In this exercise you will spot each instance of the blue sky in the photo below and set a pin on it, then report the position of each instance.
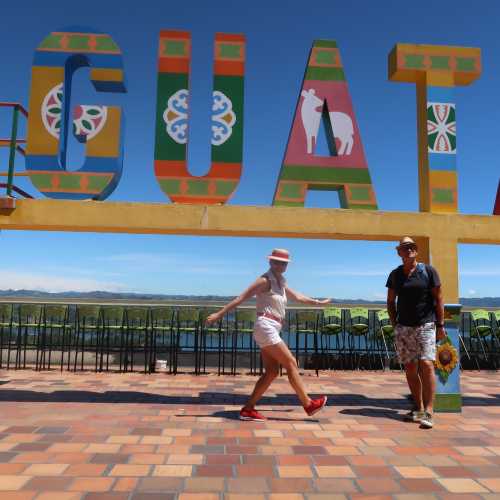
(279, 36)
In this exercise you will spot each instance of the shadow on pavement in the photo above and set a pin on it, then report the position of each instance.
(215, 398)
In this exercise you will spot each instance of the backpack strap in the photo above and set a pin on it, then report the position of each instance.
(423, 269)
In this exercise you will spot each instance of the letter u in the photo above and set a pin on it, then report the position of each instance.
(172, 119)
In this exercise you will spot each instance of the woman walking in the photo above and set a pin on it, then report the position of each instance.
(271, 292)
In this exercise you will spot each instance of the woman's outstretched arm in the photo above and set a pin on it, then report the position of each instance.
(259, 285)
(304, 299)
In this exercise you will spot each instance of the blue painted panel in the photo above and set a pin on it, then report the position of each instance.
(441, 94)
(442, 161)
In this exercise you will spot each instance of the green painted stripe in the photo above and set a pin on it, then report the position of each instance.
(197, 187)
(278, 203)
(431, 140)
(165, 147)
(230, 51)
(225, 188)
(106, 43)
(325, 43)
(448, 403)
(290, 190)
(360, 193)
(453, 141)
(414, 61)
(175, 48)
(442, 195)
(430, 114)
(232, 150)
(98, 182)
(325, 57)
(51, 42)
(170, 186)
(318, 73)
(69, 182)
(466, 64)
(79, 42)
(323, 174)
(440, 62)
(41, 181)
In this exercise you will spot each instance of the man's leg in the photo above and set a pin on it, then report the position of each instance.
(415, 384)
(281, 354)
(427, 342)
(428, 384)
(408, 351)
(271, 371)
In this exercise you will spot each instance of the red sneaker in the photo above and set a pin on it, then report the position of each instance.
(253, 415)
(316, 405)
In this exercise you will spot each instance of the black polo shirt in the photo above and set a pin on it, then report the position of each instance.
(415, 303)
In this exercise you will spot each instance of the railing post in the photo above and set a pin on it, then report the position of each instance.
(12, 153)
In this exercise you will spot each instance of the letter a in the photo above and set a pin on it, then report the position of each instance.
(325, 94)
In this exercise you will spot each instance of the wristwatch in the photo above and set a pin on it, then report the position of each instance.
(440, 325)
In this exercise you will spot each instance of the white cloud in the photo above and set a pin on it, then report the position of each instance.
(472, 292)
(14, 280)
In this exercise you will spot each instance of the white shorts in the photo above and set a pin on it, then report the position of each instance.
(266, 331)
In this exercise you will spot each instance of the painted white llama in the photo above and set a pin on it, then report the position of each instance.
(311, 116)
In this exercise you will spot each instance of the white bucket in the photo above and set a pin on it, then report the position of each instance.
(161, 365)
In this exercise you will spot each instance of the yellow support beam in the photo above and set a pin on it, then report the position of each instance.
(438, 234)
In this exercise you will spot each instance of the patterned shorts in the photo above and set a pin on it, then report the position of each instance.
(416, 342)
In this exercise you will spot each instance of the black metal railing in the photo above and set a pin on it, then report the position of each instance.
(175, 338)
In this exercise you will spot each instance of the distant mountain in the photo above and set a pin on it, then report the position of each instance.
(481, 302)
(100, 295)
(97, 294)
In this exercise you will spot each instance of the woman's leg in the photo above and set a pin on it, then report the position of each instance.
(282, 355)
(272, 369)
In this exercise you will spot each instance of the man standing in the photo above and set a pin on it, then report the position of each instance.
(416, 310)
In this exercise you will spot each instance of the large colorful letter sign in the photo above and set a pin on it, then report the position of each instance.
(325, 94)
(436, 70)
(99, 127)
(172, 116)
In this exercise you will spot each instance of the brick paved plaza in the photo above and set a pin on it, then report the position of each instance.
(150, 437)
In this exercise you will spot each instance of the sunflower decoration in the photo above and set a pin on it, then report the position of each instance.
(446, 359)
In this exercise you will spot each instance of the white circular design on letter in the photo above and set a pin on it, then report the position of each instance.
(175, 117)
(88, 120)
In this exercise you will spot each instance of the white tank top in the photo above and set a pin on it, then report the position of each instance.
(274, 301)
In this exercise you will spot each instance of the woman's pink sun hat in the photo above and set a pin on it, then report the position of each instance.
(280, 254)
